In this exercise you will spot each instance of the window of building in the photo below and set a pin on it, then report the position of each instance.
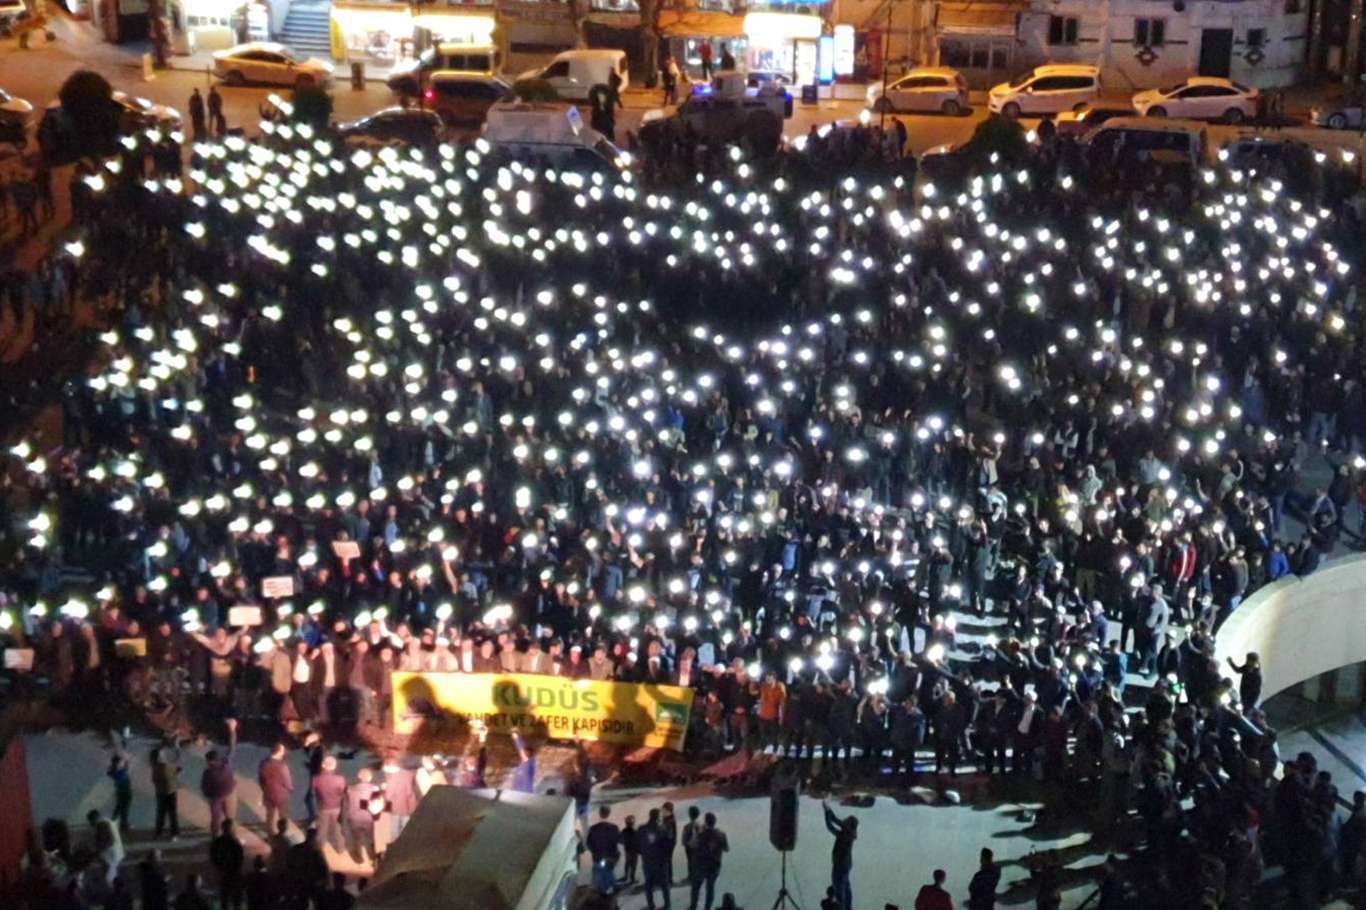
(1256, 37)
(1150, 32)
(1062, 30)
(1292, 7)
(955, 54)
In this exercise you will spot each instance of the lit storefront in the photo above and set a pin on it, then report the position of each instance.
(212, 25)
(462, 23)
(379, 33)
(386, 33)
(783, 43)
(686, 31)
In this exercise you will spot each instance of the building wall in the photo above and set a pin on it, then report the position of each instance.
(1105, 36)
(1301, 627)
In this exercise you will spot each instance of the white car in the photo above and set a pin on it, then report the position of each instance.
(1346, 115)
(931, 89)
(138, 113)
(1048, 89)
(1200, 98)
(269, 63)
(12, 108)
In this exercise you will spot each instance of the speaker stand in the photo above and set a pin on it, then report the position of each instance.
(785, 898)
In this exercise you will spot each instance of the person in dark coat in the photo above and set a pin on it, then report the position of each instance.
(260, 887)
(216, 118)
(845, 831)
(1250, 680)
(226, 855)
(982, 888)
(604, 845)
(152, 882)
(656, 851)
(276, 786)
(191, 898)
(305, 871)
(218, 784)
(197, 116)
(711, 848)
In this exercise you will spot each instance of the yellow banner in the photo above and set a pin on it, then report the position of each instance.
(628, 713)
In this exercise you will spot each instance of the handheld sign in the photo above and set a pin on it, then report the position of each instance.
(244, 616)
(277, 586)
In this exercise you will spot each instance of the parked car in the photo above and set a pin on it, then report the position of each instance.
(552, 134)
(925, 90)
(1165, 142)
(410, 77)
(758, 78)
(15, 115)
(464, 97)
(1344, 115)
(1048, 89)
(269, 63)
(137, 113)
(573, 73)
(725, 111)
(1200, 98)
(1083, 122)
(1246, 152)
(395, 126)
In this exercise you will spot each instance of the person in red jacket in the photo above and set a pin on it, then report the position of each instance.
(277, 784)
(329, 788)
(933, 896)
(218, 785)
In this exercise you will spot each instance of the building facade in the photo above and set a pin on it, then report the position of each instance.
(1146, 43)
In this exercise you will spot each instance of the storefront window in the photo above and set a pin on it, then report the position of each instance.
(790, 6)
(955, 54)
(692, 50)
(380, 35)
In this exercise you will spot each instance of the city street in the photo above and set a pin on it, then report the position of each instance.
(37, 73)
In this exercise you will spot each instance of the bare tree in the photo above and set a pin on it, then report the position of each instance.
(650, 11)
(1315, 54)
(1351, 69)
(578, 15)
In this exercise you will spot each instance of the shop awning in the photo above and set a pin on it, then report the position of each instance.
(700, 23)
(977, 19)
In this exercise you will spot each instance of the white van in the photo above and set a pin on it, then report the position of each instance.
(553, 133)
(1180, 142)
(409, 77)
(573, 73)
(1048, 89)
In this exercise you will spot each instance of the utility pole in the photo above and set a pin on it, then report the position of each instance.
(1315, 61)
(1351, 67)
(886, 65)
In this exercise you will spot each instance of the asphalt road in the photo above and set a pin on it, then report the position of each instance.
(37, 74)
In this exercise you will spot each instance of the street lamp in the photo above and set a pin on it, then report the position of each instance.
(886, 62)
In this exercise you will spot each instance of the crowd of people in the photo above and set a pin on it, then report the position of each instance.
(877, 467)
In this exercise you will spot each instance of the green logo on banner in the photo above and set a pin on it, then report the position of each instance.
(670, 714)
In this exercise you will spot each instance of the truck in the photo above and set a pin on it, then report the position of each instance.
(726, 110)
